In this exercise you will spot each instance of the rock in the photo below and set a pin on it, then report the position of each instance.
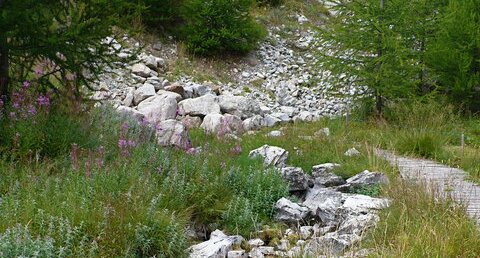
(147, 90)
(237, 254)
(255, 242)
(191, 122)
(282, 116)
(322, 132)
(323, 175)
(306, 232)
(262, 251)
(254, 123)
(304, 116)
(295, 177)
(320, 231)
(222, 125)
(177, 88)
(290, 111)
(284, 245)
(130, 112)
(128, 100)
(197, 90)
(177, 96)
(217, 246)
(271, 121)
(274, 134)
(141, 70)
(271, 155)
(172, 133)
(331, 244)
(364, 179)
(290, 212)
(240, 106)
(200, 106)
(153, 62)
(358, 203)
(352, 152)
(158, 108)
(358, 224)
(324, 203)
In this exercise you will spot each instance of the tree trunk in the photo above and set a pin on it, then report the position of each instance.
(4, 68)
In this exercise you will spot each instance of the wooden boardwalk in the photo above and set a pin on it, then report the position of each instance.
(443, 180)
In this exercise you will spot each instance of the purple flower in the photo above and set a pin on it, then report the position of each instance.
(39, 70)
(124, 126)
(237, 149)
(32, 110)
(132, 143)
(122, 143)
(43, 101)
(26, 84)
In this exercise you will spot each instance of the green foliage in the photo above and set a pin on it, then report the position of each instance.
(161, 14)
(220, 26)
(455, 53)
(269, 2)
(17, 242)
(239, 217)
(373, 190)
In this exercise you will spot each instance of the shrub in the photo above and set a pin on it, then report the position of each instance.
(161, 14)
(17, 242)
(220, 26)
(239, 218)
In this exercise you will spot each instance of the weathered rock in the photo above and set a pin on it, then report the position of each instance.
(271, 121)
(322, 132)
(130, 112)
(284, 245)
(200, 106)
(191, 122)
(352, 152)
(177, 88)
(240, 106)
(282, 116)
(237, 254)
(141, 70)
(358, 224)
(358, 203)
(275, 133)
(323, 175)
(172, 133)
(158, 108)
(222, 125)
(261, 252)
(147, 90)
(254, 123)
(331, 243)
(128, 100)
(153, 62)
(218, 246)
(174, 95)
(295, 177)
(255, 242)
(324, 203)
(306, 232)
(364, 179)
(304, 116)
(271, 155)
(290, 212)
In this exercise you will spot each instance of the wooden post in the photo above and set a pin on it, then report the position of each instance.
(462, 141)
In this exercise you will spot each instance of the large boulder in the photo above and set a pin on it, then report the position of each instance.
(324, 203)
(172, 133)
(200, 106)
(130, 113)
(271, 155)
(240, 106)
(222, 125)
(331, 244)
(295, 177)
(217, 246)
(158, 108)
(143, 92)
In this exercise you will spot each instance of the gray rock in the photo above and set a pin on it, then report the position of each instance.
(191, 122)
(218, 246)
(128, 100)
(172, 133)
(352, 152)
(282, 116)
(295, 177)
(324, 203)
(331, 244)
(290, 212)
(358, 224)
(322, 132)
(304, 116)
(271, 121)
(240, 106)
(358, 203)
(364, 179)
(284, 245)
(323, 175)
(130, 112)
(306, 232)
(141, 70)
(174, 95)
(271, 155)
(275, 134)
(222, 125)
(147, 90)
(177, 88)
(261, 252)
(200, 106)
(255, 242)
(158, 108)
(254, 123)
(237, 254)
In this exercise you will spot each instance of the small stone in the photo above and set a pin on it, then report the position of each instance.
(255, 242)
(141, 70)
(237, 254)
(352, 152)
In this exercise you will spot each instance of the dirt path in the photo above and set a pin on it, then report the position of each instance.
(444, 180)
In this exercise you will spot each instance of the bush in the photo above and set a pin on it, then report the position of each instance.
(17, 242)
(220, 26)
(161, 14)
